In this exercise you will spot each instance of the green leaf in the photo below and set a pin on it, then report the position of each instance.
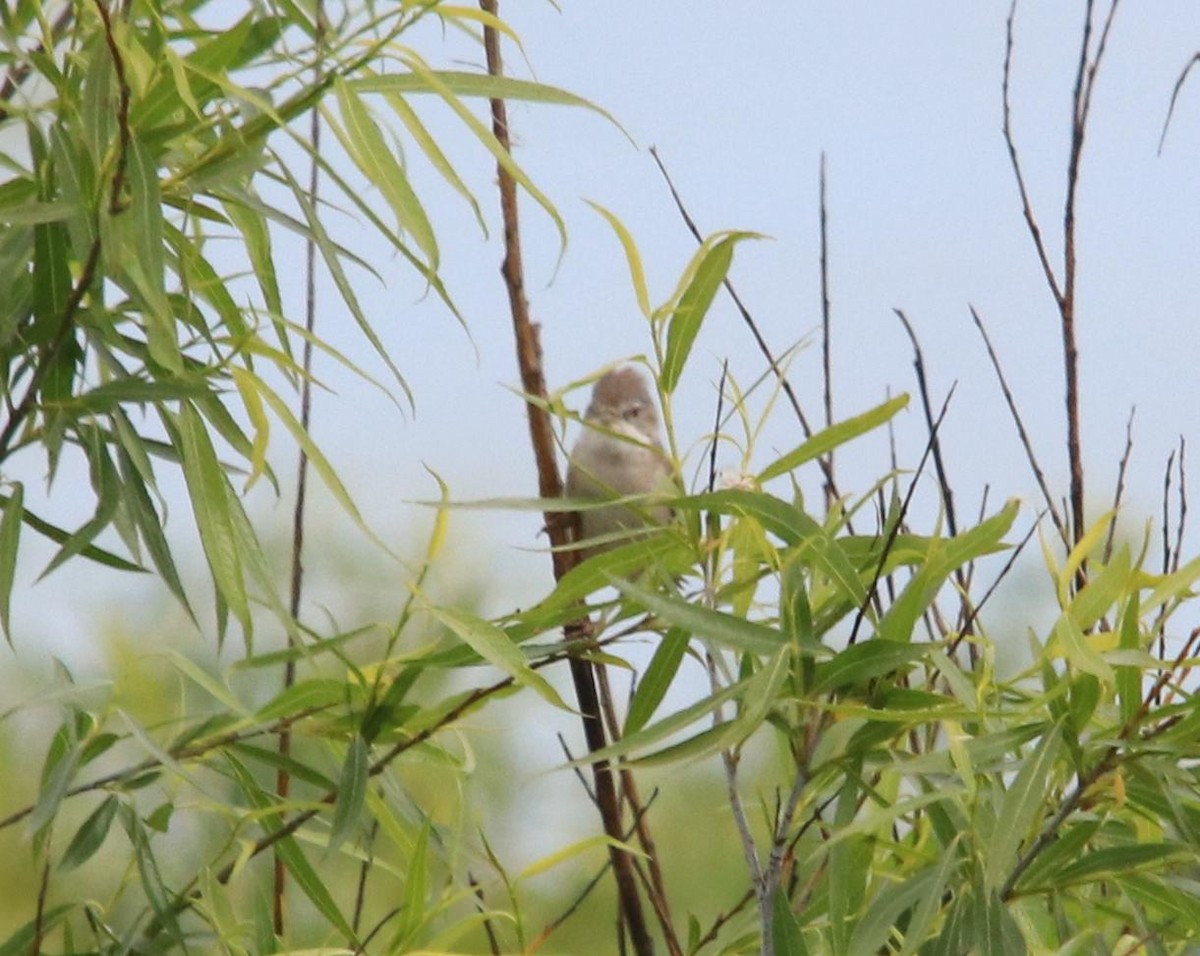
(433, 152)
(366, 146)
(1021, 807)
(443, 82)
(789, 940)
(206, 485)
(945, 556)
(1079, 651)
(352, 791)
(711, 265)
(289, 851)
(449, 86)
(657, 679)
(861, 662)
(637, 272)
(830, 438)
(735, 633)
(1129, 679)
(10, 536)
(497, 648)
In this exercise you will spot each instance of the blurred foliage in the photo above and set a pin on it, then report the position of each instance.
(887, 787)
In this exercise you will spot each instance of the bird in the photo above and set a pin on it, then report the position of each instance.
(619, 455)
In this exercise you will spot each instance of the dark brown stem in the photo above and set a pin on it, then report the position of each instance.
(826, 339)
(561, 527)
(283, 779)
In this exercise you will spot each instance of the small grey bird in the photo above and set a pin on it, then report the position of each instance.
(619, 455)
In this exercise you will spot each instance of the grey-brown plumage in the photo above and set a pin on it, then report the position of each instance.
(619, 455)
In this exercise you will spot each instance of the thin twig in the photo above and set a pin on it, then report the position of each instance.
(1183, 507)
(1038, 474)
(826, 337)
(895, 530)
(1119, 493)
(481, 905)
(1162, 139)
(773, 363)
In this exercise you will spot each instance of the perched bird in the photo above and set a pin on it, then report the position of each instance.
(619, 455)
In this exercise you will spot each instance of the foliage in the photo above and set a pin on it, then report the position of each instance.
(923, 794)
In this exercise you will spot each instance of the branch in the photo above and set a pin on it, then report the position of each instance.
(562, 527)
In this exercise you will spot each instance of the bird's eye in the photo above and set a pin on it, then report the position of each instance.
(633, 411)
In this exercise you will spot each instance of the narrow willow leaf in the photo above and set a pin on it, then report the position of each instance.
(352, 790)
(789, 939)
(637, 272)
(257, 239)
(1079, 651)
(10, 537)
(916, 932)
(206, 484)
(497, 648)
(711, 266)
(657, 680)
(861, 662)
(444, 85)
(1102, 590)
(473, 85)
(145, 517)
(670, 725)
(90, 835)
(735, 633)
(945, 556)
(416, 886)
(24, 940)
(289, 850)
(364, 142)
(830, 438)
(247, 386)
(1095, 536)
(433, 152)
(61, 763)
(1113, 860)
(248, 382)
(60, 536)
(1020, 808)
(883, 912)
(1129, 679)
(151, 881)
(144, 219)
(332, 259)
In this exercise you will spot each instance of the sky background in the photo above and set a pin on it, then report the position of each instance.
(742, 101)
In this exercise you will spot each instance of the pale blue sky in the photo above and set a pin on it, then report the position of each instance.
(741, 100)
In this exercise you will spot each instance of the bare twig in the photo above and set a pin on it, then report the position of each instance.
(1119, 493)
(775, 365)
(1038, 474)
(826, 339)
(1181, 524)
(481, 905)
(895, 529)
(1175, 96)
(1063, 287)
(562, 527)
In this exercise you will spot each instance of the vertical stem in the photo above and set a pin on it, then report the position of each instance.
(561, 529)
(283, 779)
